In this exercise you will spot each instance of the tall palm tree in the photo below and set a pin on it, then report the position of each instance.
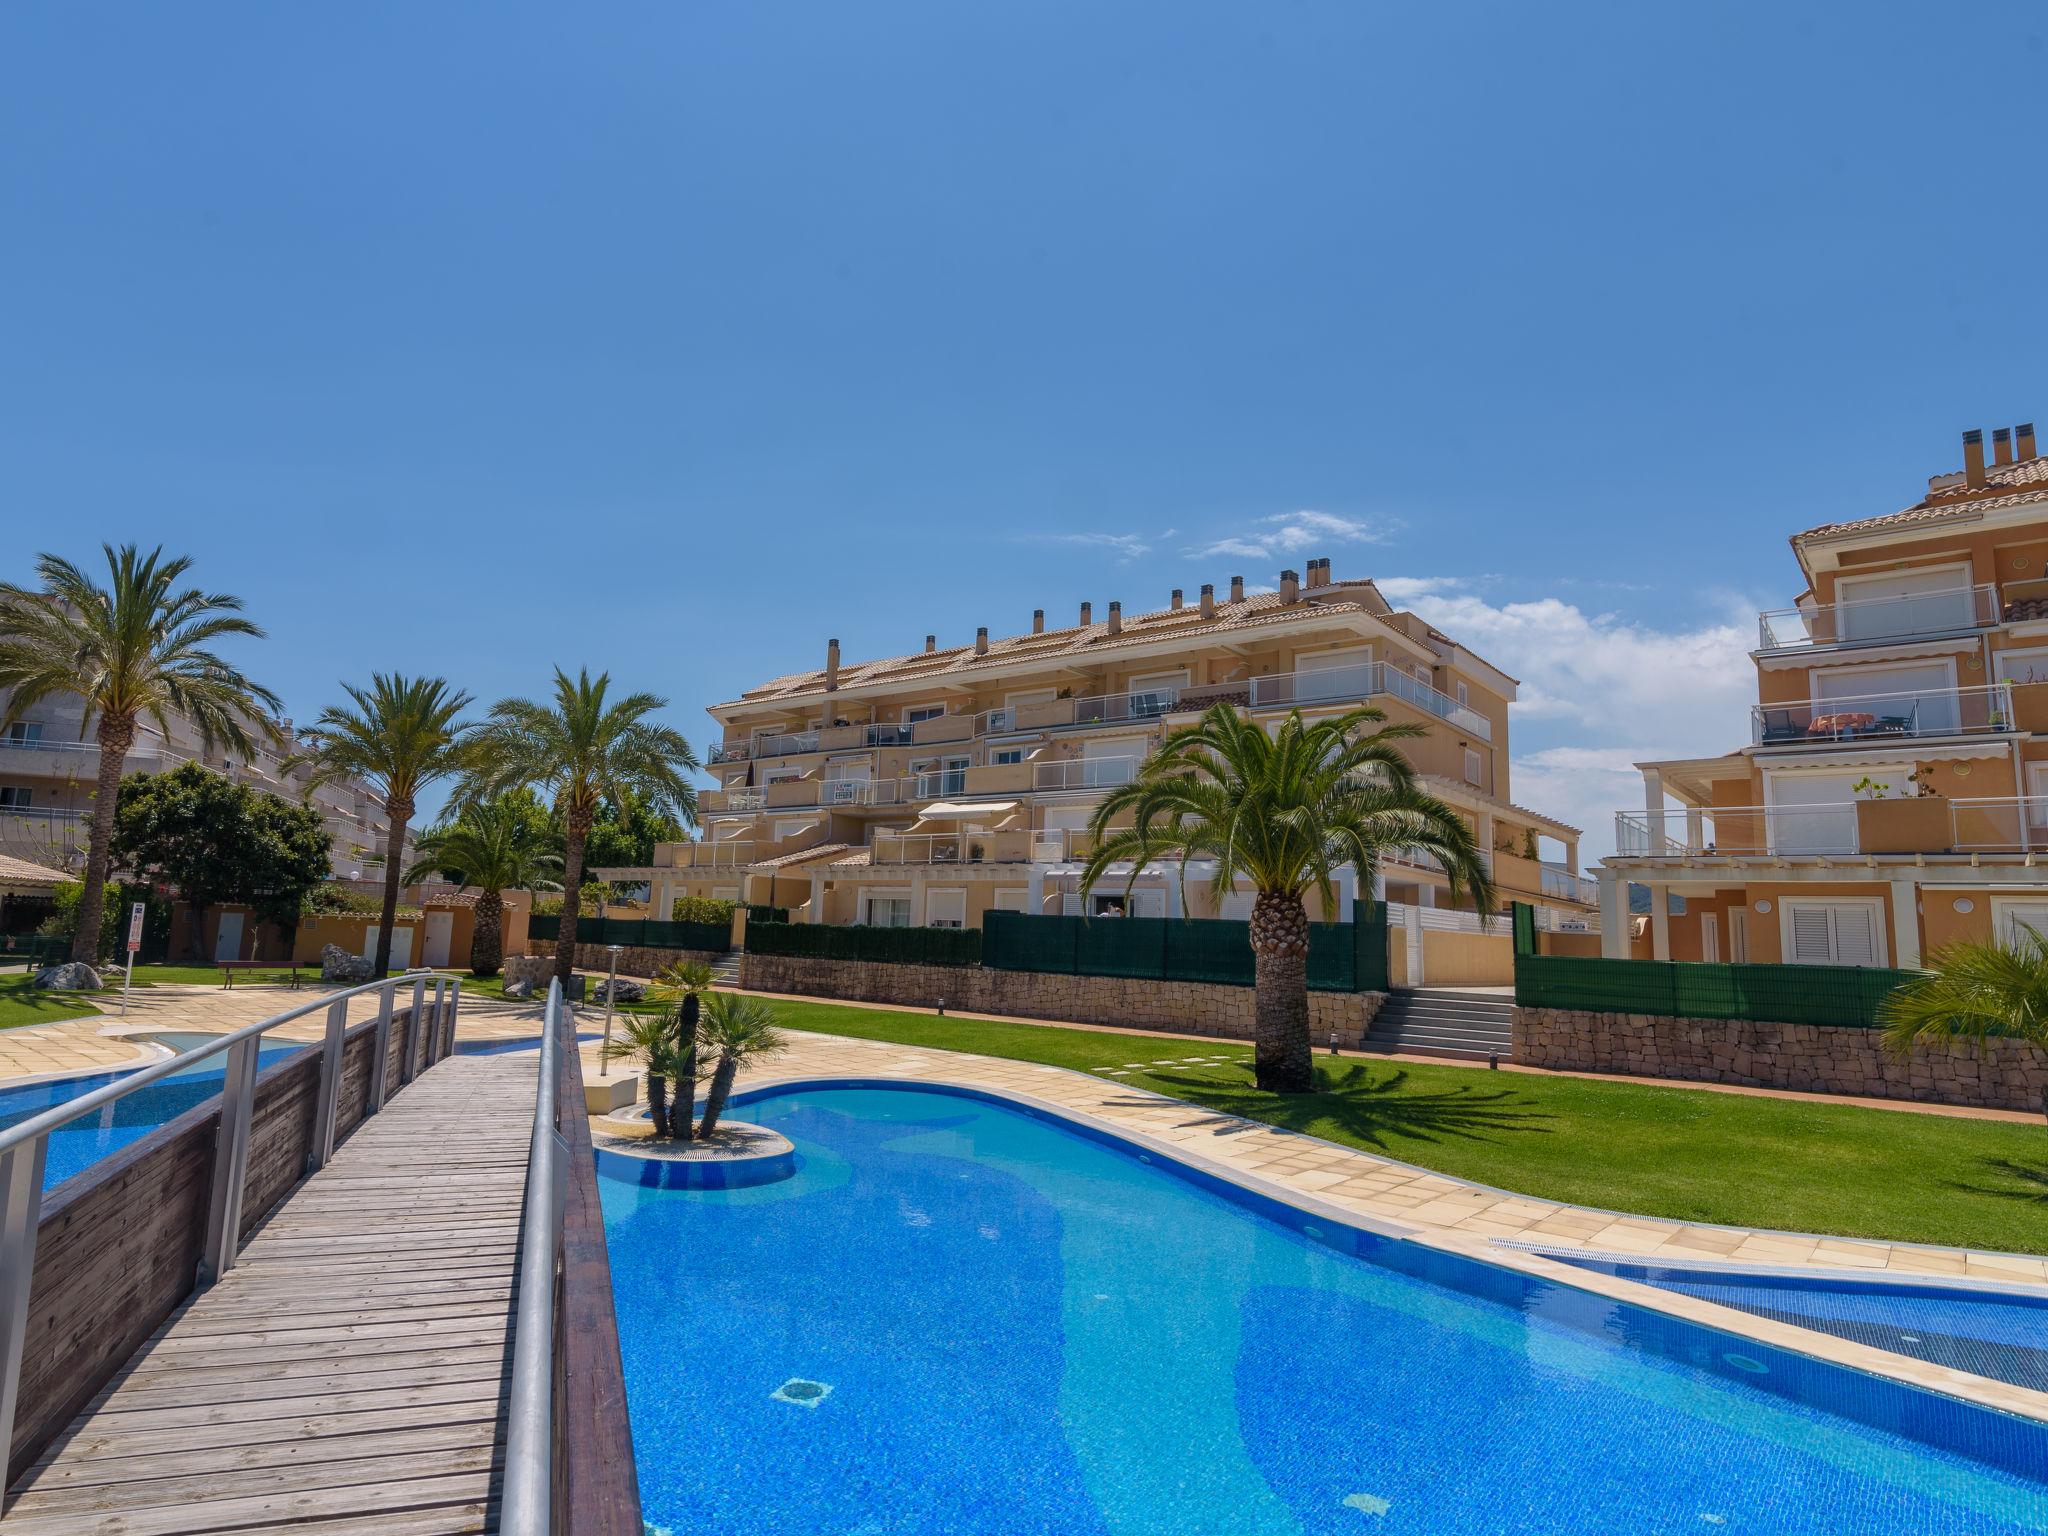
(1973, 991)
(134, 649)
(742, 1030)
(402, 734)
(1285, 812)
(490, 846)
(582, 748)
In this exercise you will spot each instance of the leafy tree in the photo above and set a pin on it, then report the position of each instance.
(135, 649)
(402, 734)
(529, 822)
(219, 841)
(581, 749)
(494, 846)
(625, 831)
(1285, 812)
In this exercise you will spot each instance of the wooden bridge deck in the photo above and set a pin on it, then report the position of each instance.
(348, 1375)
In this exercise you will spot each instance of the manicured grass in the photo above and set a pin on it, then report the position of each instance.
(23, 1003)
(1682, 1153)
(205, 975)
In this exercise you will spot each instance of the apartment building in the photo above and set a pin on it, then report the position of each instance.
(49, 765)
(932, 787)
(1893, 794)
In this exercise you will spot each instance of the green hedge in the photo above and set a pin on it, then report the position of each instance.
(1847, 995)
(900, 946)
(715, 938)
(1342, 957)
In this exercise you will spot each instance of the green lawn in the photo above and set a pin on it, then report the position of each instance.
(23, 1003)
(1675, 1152)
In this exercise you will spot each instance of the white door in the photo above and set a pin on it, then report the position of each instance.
(401, 945)
(1912, 603)
(227, 944)
(1011, 901)
(1738, 935)
(440, 938)
(1920, 699)
(1833, 932)
(1812, 812)
(2015, 917)
(1710, 939)
(1144, 903)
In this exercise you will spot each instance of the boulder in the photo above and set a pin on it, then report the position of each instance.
(534, 970)
(518, 991)
(624, 992)
(337, 964)
(71, 976)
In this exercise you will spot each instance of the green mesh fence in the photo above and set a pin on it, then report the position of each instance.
(1785, 994)
(1342, 957)
(647, 934)
(898, 946)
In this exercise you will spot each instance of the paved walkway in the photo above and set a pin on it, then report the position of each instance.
(348, 1374)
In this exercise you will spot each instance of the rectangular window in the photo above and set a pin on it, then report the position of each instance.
(945, 908)
(888, 911)
(15, 797)
(1001, 756)
(1475, 767)
(1464, 696)
(1833, 933)
(924, 712)
(23, 731)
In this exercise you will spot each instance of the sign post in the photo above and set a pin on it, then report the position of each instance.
(134, 943)
(611, 988)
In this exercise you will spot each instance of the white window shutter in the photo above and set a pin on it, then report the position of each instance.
(1855, 935)
(1811, 939)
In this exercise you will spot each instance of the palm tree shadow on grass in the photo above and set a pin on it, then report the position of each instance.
(1369, 1108)
(2027, 1184)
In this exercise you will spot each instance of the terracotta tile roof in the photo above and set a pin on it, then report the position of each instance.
(801, 856)
(1076, 641)
(860, 858)
(15, 871)
(2021, 610)
(2005, 485)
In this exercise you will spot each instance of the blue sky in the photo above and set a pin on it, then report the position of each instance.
(675, 338)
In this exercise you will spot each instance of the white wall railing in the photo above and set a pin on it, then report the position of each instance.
(1881, 716)
(1861, 621)
(1993, 824)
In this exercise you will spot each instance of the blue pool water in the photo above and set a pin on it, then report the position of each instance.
(2003, 1335)
(961, 1318)
(84, 1142)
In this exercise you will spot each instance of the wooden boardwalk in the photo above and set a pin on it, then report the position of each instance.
(348, 1375)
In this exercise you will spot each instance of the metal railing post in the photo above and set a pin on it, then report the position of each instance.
(454, 1009)
(440, 1015)
(21, 1210)
(230, 1162)
(530, 1418)
(329, 1109)
(381, 1053)
(412, 1032)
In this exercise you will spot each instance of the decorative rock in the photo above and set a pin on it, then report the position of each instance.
(519, 991)
(534, 970)
(71, 976)
(337, 964)
(627, 992)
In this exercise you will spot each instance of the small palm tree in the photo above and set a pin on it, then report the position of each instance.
(134, 649)
(490, 846)
(681, 987)
(742, 1030)
(583, 749)
(402, 734)
(1972, 991)
(1285, 812)
(650, 1039)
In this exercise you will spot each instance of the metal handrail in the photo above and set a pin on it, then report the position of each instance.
(530, 1420)
(24, 1148)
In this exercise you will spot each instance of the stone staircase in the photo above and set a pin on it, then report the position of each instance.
(1443, 1022)
(725, 971)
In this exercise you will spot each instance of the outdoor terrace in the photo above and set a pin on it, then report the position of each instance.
(1907, 825)
(1955, 610)
(1885, 716)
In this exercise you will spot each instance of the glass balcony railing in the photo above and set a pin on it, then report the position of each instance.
(1861, 621)
(1876, 716)
(1897, 825)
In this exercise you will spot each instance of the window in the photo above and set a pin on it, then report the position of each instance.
(1833, 932)
(1011, 901)
(24, 731)
(923, 712)
(1475, 767)
(945, 908)
(15, 797)
(2016, 917)
(1464, 697)
(1001, 756)
(725, 893)
(888, 911)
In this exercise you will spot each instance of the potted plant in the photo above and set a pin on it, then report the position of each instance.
(1916, 824)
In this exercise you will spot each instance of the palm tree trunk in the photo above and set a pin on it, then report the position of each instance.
(686, 1071)
(574, 831)
(115, 736)
(657, 1103)
(487, 943)
(721, 1090)
(400, 812)
(1280, 1051)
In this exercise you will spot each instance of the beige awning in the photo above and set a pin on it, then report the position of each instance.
(950, 810)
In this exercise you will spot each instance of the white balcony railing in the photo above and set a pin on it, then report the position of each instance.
(1567, 886)
(1342, 684)
(1994, 824)
(1954, 610)
(788, 744)
(1084, 773)
(1880, 716)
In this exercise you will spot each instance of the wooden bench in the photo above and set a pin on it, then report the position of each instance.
(229, 967)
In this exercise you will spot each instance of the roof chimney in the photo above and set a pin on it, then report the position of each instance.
(1973, 458)
(2023, 439)
(1237, 589)
(1208, 599)
(1176, 599)
(981, 641)
(1319, 572)
(931, 643)
(1116, 618)
(1038, 621)
(831, 665)
(1087, 614)
(1290, 586)
(2001, 445)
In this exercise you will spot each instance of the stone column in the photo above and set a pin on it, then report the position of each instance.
(1906, 924)
(1653, 806)
(1613, 915)
(1034, 900)
(816, 910)
(917, 899)
(1412, 926)
(1660, 922)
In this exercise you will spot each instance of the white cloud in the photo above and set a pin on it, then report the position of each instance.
(1599, 693)
(1289, 533)
(1126, 546)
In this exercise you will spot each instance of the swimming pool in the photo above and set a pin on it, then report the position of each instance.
(84, 1142)
(1988, 1332)
(961, 1317)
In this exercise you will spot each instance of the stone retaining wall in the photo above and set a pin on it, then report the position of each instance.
(637, 961)
(1812, 1058)
(1186, 1007)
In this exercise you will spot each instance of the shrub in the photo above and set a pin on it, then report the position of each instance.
(702, 909)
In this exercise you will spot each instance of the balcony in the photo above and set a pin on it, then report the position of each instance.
(1906, 826)
(789, 744)
(732, 853)
(729, 752)
(1564, 885)
(1880, 717)
(952, 847)
(1346, 684)
(1955, 610)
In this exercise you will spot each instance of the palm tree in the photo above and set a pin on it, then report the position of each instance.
(583, 750)
(1973, 991)
(650, 1039)
(402, 734)
(488, 846)
(742, 1030)
(682, 986)
(134, 649)
(1285, 812)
